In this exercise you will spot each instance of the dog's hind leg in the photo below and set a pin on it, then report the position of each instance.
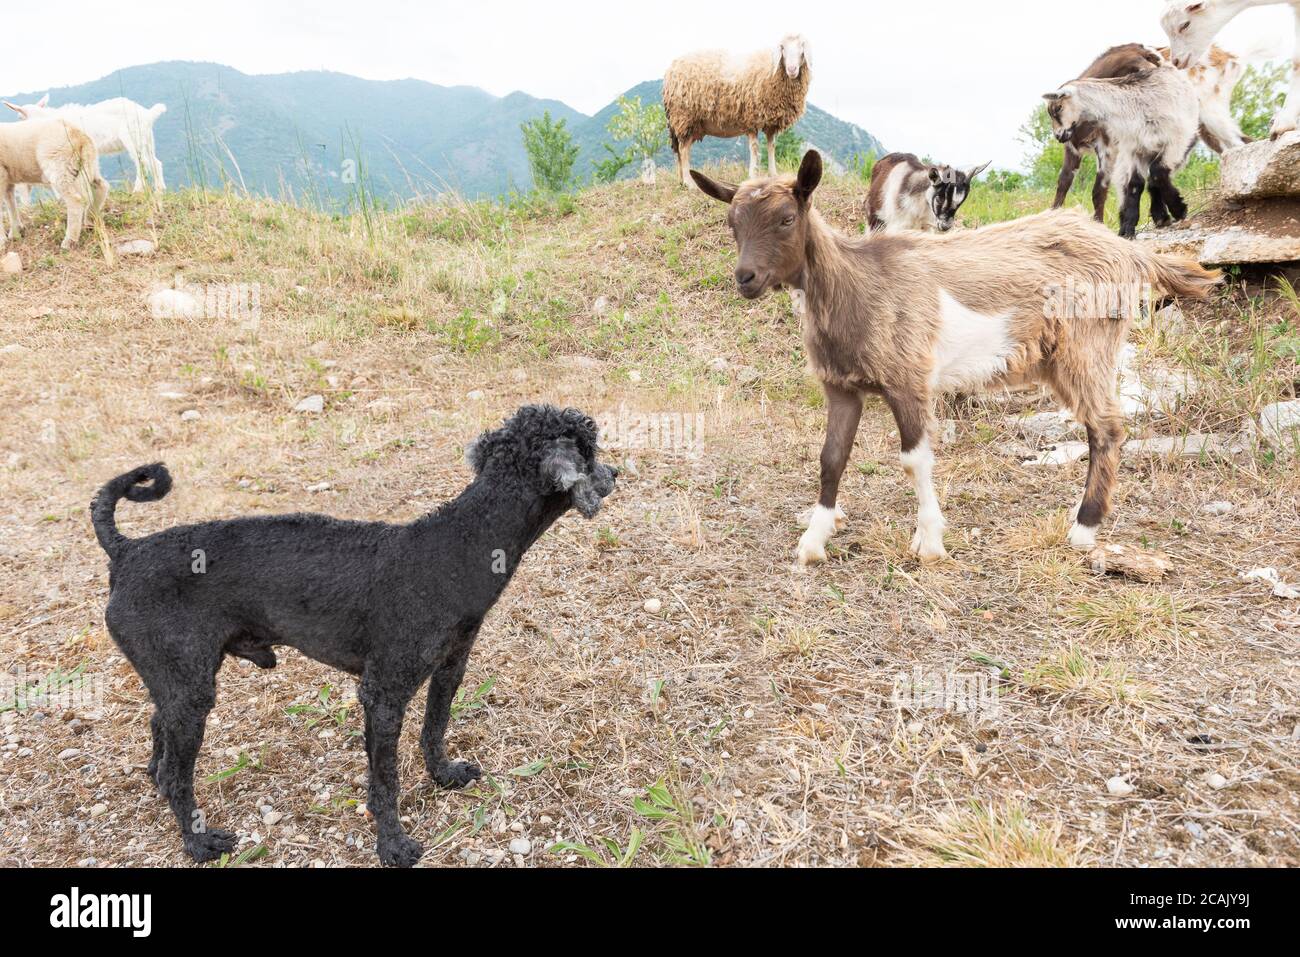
(442, 689)
(184, 701)
(159, 745)
(384, 709)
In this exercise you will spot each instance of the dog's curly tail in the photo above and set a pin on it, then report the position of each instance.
(148, 483)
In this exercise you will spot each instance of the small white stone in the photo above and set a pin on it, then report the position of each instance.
(1217, 508)
(319, 487)
(1119, 787)
(12, 263)
(312, 405)
(68, 753)
(1216, 781)
(653, 606)
(191, 415)
(600, 306)
(272, 818)
(915, 727)
(521, 846)
(719, 365)
(475, 396)
(136, 247)
(634, 376)
(99, 810)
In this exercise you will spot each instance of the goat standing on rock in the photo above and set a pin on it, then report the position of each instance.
(911, 316)
(1141, 124)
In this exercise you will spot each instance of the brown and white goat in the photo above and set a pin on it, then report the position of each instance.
(909, 194)
(1145, 125)
(1213, 79)
(914, 315)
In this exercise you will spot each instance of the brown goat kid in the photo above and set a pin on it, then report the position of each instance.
(911, 316)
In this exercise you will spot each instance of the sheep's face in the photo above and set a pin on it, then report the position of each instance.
(1191, 28)
(769, 218)
(791, 55)
(1064, 112)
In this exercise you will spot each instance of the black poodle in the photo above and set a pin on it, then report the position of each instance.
(394, 604)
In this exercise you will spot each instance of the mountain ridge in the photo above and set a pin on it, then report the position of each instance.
(312, 134)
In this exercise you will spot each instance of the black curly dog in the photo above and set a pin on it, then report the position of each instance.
(394, 604)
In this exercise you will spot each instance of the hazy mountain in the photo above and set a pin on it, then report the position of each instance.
(307, 134)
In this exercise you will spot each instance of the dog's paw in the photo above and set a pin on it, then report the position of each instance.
(399, 851)
(210, 845)
(455, 774)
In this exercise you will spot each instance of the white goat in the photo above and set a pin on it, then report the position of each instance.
(714, 93)
(1144, 124)
(56, 154)
(1191, 27)
(118, 125)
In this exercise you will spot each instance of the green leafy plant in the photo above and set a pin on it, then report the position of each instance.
(551, 153)
(644, 128)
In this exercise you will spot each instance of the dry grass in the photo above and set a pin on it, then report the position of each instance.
(752, 720)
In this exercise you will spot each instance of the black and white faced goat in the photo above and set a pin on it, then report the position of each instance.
(1144, 126)
(908, 194)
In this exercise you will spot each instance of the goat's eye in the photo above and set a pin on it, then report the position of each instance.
(1184, 28)
(788, 222)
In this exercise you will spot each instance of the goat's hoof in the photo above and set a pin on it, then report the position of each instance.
(927, 551)
(1082, 537)
(455, 774)
(810, 552)
(210, 845)
(1277, 132)
(399, 851)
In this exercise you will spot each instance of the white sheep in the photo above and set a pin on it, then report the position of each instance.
(118, 125)
(714, 93)
(56, 154)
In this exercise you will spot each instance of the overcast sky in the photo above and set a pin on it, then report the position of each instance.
(954, 79)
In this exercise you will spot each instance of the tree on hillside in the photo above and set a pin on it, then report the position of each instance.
(1258, 97)
(789, 150)
(551, 153)
(644, 129)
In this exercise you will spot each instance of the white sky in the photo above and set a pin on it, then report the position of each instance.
(951, 78)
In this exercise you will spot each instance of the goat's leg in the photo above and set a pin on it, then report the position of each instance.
(1289, 115)
(1131, 208)
(1162, 186)
(844, 412)
(10, 205)
(1100, 193)
(771, 151)
(1159, 210)
(753, 155)
(684, 161)
(914, 413)
(1105, 425)
(1069, 169)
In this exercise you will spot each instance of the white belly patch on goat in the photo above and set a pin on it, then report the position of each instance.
(972, 349)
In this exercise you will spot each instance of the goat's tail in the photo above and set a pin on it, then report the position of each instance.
(1181, 277)
(157, 110)
(148, 483)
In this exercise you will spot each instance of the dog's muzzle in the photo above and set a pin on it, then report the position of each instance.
(590, 493)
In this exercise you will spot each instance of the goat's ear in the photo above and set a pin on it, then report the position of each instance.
(972, 173)
(43, 101)
(1055, 96)
(807, 55)
(722, 192)
(810, 176)
(778, 52)
(936, 175)
(17, 109)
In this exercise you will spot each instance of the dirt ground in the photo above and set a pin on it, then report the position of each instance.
(660, 686)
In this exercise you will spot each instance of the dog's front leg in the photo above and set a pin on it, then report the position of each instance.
(384, 711)
(442, 690)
